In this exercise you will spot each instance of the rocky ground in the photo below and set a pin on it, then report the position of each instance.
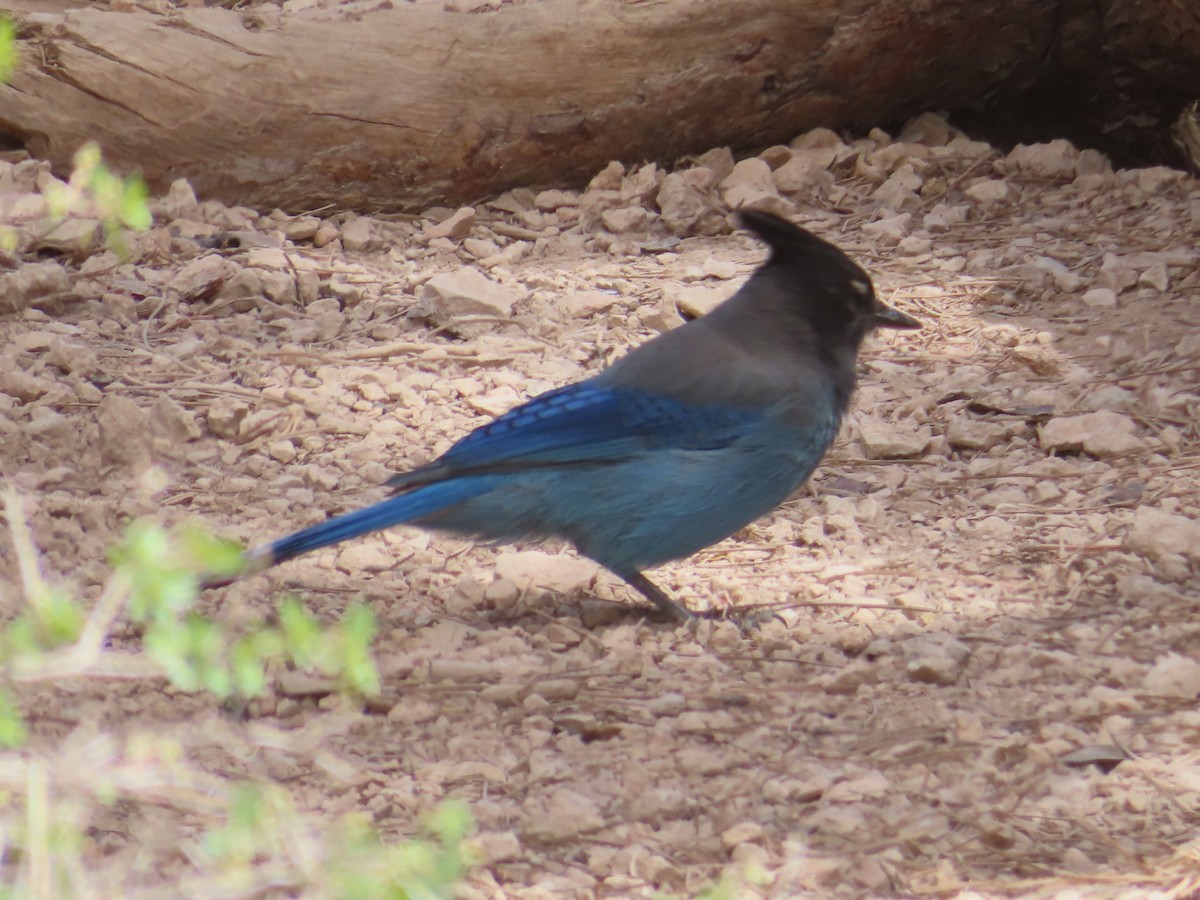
(980, 677)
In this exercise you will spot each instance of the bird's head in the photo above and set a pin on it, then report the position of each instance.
(822, 284)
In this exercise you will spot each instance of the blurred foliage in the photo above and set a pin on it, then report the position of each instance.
(258, 840)
(8, 48)
(94, 189)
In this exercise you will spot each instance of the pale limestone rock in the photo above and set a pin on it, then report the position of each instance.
(1173, 675)
(123, 431)
(1157, 534)
(1055, 159)
(625, 219)
(971, 434)
(1104, 434)
(558, 573)
(466, 292)
(935, 658)
(173, 422)
(748, 184)
(455, 227)
(360, 234)
(991, 192)
(891, 440)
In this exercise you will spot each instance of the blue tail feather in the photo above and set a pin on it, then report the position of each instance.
(396, 510)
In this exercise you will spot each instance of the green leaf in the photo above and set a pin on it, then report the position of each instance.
(134, 210)
(8, 48)
(12, 725)
(358, 668)
(246, 663)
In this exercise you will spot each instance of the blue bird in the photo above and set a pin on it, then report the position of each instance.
(686, 439)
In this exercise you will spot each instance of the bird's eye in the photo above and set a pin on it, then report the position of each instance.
(862, 288)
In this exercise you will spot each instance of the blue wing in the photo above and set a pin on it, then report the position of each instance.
(584, 423)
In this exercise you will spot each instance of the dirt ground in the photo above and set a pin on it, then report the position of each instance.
(980, 678)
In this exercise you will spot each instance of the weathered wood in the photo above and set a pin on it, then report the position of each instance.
(399, 106)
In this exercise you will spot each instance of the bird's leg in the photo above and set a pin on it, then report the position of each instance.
(658, 597)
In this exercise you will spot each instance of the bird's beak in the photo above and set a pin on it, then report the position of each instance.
(886, 317)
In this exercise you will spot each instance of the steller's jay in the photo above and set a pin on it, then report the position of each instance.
(686, 439)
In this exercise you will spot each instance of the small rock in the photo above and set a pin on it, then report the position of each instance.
(501, 594)
(1041, 358)
(480, 248)
(661, 316)
(172, 421)
(718, 161)
(1103, 434)
(1100, 298)
(848, 679)
(1055, 159)
(564, 815)
(594, 204)
(818, 137)
(1157, 534)
(71, 356)
(608, 179)
(891, 228)
(970, 434)
(557, 573)
(466, 292)
(892, 440)
(359, 234)
(805, 171)
(123, 431)
(225, 417)
(30, 283)
(587, 303)
(497, 846)
(776, 156)
(681, 204)
(49, 425)
(366, 556)
(326, 233)
(749, 184)
(641, 184)
(696, 300)
(300, 228)
(329, 324)
(625, 219)
(494, 402)
(203, 277)
(945, 216)
(179, 203)
(743, 833)
(1064, 278)
(548, 201)
(928, 129)
(915, 246)
(936, 658)
(1108, 397)
(1092, 162)
(21, 209)
(899, 191)
(1174, 675)
(74, 237)
(273, 258)
(1156, 277)
(241, 291)
(119, 306)
(23, 386)
(278, 286)
(991, 192)
(455, 227)
(346, 291)
(1116, 273)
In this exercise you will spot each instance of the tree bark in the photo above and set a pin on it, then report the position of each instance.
(394, 105)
